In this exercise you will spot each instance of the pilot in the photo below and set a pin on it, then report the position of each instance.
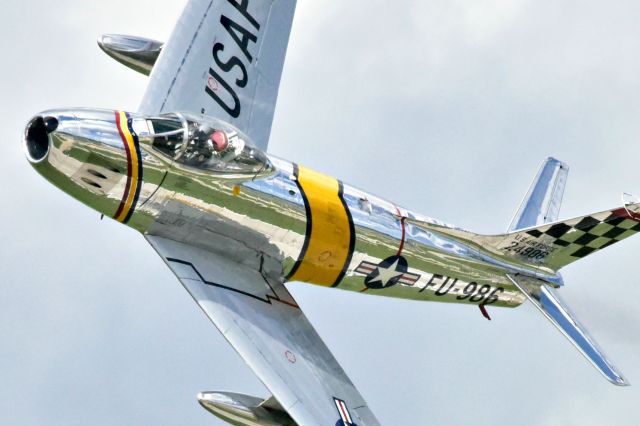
(206, 141)
(220, 140)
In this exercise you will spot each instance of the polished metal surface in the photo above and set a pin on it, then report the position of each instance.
(138, 53)
(86, 158)
(266, 217)
(236, 201)
(202, 183)
(242, 410)
(559, 315)
(258, 316)
(190, 171)
(542, 202)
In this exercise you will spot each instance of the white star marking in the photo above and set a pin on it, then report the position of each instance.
(386, 274)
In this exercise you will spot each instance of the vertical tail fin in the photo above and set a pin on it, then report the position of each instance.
(542, 202)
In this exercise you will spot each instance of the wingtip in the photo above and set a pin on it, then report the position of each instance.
(619, 381)
(611, 373)
(561, 163)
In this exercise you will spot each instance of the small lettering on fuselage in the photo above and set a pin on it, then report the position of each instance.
(244, 34)
(473, 292)
(378, 277)
(528, 247)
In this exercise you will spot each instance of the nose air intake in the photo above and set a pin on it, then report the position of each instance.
(36, 138)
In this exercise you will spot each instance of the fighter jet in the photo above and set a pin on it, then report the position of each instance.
(189, 170)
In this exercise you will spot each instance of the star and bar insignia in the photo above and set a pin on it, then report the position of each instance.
(343, 411)
(389, 272)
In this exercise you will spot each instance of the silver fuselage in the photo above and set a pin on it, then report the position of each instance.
(293, 223)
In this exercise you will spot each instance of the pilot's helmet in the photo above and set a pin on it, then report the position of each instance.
(219, 139)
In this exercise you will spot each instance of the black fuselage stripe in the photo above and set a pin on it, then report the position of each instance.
(307, 233)
(352, 235)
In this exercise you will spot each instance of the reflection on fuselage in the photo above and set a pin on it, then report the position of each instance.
(203, 183)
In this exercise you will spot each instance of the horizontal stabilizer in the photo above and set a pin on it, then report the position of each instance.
(553, 309)
(542, 203)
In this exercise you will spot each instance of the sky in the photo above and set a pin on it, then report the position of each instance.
(445, 107)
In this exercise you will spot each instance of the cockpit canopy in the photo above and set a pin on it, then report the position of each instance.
(205, 144)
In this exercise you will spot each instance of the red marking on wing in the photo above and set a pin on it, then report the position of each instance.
(213, 84)
(271, 299)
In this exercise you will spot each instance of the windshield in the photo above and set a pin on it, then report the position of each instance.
(167, 135)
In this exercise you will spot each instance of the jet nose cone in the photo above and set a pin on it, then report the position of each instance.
(36, 140)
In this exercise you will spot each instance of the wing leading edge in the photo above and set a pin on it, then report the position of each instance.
(267, 328)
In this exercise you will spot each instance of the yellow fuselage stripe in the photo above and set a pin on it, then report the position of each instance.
(329, 239)
(124, 128)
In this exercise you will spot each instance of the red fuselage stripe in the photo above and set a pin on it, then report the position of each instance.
(403, 225)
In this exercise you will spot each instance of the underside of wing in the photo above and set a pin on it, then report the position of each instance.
(224, 59)
(267, 328)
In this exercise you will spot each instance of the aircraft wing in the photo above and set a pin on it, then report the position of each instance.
(224, 59)
(264, 324)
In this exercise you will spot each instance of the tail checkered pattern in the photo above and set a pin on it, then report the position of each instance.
(590, 233)
(574, 239)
